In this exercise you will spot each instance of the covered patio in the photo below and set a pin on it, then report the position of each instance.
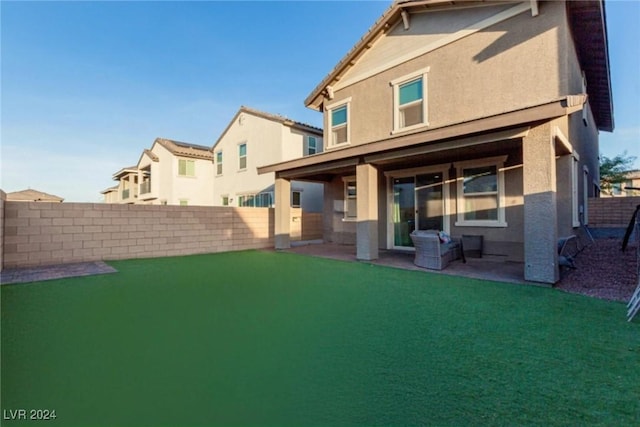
(476, 268)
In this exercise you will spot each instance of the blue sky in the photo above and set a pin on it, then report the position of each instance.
(86, 86)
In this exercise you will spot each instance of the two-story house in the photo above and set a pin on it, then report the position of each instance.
(474, 117)
(169, 173)
(254, 138)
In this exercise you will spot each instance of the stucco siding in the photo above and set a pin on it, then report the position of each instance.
(508, 66)
(267, 142)
(335, 228)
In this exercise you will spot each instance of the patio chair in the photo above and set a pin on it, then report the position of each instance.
(431, 252)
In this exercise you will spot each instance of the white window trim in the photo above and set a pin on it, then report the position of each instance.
(309, 137)
(345, 180)
(396, 83)
(498, 162)
(246, 163)
(220, 163)
(329, 109)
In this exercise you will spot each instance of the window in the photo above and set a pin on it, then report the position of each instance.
(338, 118)
(481, 193)
(262, 200)
(219, 163)
(350, 199)
(312, 145)
(295, 199)
(186, 167)
(225, 200)
(242, 155)
(184, 202)
(410, 106)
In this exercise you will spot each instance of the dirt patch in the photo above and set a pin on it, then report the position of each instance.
(603, 271)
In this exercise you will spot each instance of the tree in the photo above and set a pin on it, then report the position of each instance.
(614, 170)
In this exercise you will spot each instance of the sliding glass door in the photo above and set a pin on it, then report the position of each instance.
(418, 203)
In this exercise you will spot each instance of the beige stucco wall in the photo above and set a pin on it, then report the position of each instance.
(508, 66)
(53, 233)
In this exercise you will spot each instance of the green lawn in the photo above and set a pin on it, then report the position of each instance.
(261, 338)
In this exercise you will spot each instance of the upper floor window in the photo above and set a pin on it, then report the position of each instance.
(186, 167)
(312, 145)
(409, 99)
(242, 156)
(219, 163)
(338, 115)
(481, 193)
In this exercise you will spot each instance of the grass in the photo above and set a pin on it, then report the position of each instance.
(260, 338)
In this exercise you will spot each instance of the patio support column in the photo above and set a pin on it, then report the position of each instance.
(540, 206)
(282, 229)
(367, 211)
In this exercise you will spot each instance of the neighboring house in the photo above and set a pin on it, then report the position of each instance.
(33, 196)
(477, 118)
(630, 187)
(127, 188)
(170, 173)
(111, 195)
(254, 138)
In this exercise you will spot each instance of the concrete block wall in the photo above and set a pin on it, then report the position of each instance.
(611, 212)
(54, 233)
(311, 226)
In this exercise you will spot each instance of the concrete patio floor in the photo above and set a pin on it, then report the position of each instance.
(477, 268)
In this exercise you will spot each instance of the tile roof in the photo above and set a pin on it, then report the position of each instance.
(30, 195)
(151, 155)
(185, 149)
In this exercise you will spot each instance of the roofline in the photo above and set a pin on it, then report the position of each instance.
(557, 108)
(150, 154)
(128, 169)
(109, 190)
(392, 14)
(269, 116)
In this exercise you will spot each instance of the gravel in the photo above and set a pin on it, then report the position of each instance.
(603, 271)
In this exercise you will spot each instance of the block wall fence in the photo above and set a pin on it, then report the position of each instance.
(33, 234)
(36, 233)
(611, 212)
